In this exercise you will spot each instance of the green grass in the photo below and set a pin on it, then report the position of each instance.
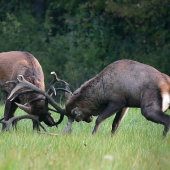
(136, 145)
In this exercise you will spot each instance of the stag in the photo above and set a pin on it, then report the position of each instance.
(13, 64)
(122, 84)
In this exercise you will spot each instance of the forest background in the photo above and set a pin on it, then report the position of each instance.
(78, 38)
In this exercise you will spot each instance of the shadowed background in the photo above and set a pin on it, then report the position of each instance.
(78, 38)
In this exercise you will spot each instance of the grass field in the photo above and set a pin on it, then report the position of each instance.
(136, 145)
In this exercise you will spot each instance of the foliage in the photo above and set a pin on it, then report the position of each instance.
(78, 38)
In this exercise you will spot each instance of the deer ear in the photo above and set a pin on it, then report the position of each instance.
(76, 111)
(67, 95)
(73, 111)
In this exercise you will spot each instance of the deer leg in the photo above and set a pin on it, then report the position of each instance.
(6, 113)
(110, 110)
(157, 116)
(69, 124)
(10, 108)
(118, 119)
(152, 110)
(13, 109)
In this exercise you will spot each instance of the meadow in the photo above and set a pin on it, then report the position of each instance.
(137, 144)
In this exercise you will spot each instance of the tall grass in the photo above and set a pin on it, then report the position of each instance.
(136, 145)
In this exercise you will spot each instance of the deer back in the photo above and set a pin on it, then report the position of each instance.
(16, 63)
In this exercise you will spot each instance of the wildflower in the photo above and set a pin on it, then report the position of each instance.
(109, 157)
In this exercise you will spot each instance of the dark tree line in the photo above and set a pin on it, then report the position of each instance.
(78, 38)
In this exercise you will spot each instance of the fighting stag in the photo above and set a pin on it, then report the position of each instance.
(122, 84)
(13, 64)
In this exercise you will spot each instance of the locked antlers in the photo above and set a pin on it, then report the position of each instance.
(22, 83)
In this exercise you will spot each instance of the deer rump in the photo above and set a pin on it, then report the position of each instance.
(122, 84)
(16, 63)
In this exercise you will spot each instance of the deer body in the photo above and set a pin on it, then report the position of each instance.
(120, 85)
(16, 63)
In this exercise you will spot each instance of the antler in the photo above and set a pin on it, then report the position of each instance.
(17, 95)
(19, 84)
(15, 120)
(22, 83)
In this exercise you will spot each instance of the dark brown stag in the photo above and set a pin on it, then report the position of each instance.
(16, 63)
(120, 85)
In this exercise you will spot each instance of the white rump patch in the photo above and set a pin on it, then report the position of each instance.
(165, 101)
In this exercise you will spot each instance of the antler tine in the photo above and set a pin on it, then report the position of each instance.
(34, 100)
(52, 110)
(60, 120)
(17, 118)
(52, 87)
(57, 79)
(23, 92)
(62, 89)
(51, 84)
(14, 82)
(55, 123)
